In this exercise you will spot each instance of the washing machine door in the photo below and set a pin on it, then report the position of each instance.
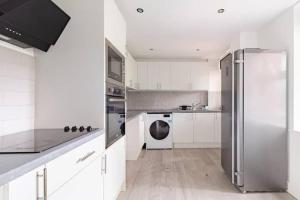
(159, 130)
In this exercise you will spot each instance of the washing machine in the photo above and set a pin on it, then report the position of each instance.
(159, 130)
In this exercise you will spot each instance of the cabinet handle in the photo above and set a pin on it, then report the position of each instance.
(104, 164)
(44, 177)
(85, 157)
(45, 184)
(38, 176)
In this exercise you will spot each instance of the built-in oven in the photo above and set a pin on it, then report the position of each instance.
(115, 113)
(114, 65)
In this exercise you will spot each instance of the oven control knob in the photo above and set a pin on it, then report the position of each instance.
(81, 128)
(74, 129)
(67, 129)
(89, 129)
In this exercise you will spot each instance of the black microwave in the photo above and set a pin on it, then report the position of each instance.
(115, 64)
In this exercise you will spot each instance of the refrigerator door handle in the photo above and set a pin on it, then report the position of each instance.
(239, 125)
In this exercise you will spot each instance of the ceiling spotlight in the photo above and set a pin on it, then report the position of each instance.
(151, 49)
(140, 10)
(197, 49)
(222, 10)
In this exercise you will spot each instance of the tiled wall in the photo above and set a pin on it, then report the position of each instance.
(17, 83)
(164, 99)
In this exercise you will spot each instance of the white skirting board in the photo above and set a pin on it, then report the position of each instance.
(196, 145)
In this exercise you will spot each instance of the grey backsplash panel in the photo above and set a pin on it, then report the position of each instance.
(151, 100)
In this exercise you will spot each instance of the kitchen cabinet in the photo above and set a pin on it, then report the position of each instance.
(87, 184)
(199, 73)
(114, 26)
(217, 130)
(77, 174)
(135, 137)
(197, 130)
(69, 164)
(204, 127)
(131, 73)
(143, 81)
(183, 128)
(159, 75)
(24, 187)
(185, 76)
(180, 76)
(114, 178)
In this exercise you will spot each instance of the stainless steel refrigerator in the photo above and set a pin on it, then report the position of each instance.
(254, 119)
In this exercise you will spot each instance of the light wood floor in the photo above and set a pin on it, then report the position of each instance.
(183, 174)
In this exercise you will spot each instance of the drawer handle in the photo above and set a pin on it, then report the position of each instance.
(85, 157)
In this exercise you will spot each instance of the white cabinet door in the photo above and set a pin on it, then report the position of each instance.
(159, 75)
(114, 179)
(183, 128)
(114, 26)
(217, 135)
(180, 76)
(141, 131)
(153, 76)
(25, 187)
(199, 76)
(135, 137)
(143, 82)
(204, 127)
(164, 76)
(87, 184)
(130, 71)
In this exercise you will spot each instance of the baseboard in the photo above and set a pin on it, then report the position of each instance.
(196, 145)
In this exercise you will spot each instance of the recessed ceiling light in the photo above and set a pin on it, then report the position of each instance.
(197, 49)
(140, 10)
(222, 10)
(151, 49)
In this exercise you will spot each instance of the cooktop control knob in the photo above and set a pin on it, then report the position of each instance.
(89, 129)
(81, 128)
(67, 129)
(74, 129)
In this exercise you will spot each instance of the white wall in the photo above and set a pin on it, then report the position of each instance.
(70, 77)
(244, 40)
(279, 34)
(17, 86)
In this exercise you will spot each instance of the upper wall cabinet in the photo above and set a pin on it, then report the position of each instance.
(174, 75)
(114, 26)
(131, 73)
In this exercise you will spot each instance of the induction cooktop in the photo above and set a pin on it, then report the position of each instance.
(38, 140)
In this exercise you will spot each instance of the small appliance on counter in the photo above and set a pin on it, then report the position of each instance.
(39, 140)
(185, 107)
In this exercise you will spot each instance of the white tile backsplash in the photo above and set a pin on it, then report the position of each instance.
(17, 87)
(165, 99)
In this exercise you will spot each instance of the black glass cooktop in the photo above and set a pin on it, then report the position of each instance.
(38, 140)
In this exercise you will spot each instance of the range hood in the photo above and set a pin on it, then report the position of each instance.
(31, 23)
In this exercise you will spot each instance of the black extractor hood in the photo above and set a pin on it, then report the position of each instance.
(31, 23)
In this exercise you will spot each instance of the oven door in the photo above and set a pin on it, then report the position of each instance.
(115, 119)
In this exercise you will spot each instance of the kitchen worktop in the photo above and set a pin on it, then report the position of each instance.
(134, 113)
(13, 166)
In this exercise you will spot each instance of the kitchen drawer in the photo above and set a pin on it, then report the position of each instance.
(60, 170)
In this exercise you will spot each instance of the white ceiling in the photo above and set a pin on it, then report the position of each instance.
(176, 28)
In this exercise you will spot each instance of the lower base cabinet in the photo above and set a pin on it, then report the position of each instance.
(197, 130)
(76, 175)
(114, 178)
(87, 184)
(135, 137)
